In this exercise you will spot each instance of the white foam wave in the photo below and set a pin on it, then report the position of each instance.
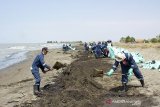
(18, 47)
(52, 45)
(12, 59)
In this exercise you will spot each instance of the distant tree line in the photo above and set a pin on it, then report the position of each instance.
(130, 39)
(127, 39)
(52, 42)
(155, 40)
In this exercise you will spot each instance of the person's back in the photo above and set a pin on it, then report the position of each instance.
(98, 51)
(37, 61)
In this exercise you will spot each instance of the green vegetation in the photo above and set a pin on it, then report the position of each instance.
(155, 40)
(127, 39)
(146, 41)
(130, 39)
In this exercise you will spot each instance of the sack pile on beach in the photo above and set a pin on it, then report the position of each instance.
(136, 56)
(151, 65)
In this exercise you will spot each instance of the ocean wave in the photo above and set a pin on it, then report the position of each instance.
(14, 53)
(12, 59)
(18, 47)
(51, 45)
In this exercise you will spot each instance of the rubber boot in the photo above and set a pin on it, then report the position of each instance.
(39, 89)
(36, 90)
(142, 82)
(124, 86)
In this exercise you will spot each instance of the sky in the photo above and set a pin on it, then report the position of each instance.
(35, 21)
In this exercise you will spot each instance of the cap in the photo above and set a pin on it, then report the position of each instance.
(120, 56)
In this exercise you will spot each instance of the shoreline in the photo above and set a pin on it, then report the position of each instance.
(17, 80)
(17, 66)
(9, 69)
(14, 60)
(15, 53)
(14, 64)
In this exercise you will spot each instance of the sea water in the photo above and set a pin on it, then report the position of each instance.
(14, 53)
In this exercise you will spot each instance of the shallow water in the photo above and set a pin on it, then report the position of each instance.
(14, 53)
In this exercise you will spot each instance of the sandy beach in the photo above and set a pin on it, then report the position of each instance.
(86, 40)
(17, 81)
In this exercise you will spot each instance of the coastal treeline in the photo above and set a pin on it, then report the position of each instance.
(130, 39)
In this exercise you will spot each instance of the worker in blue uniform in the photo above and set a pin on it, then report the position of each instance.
(128, 66)
(86, 47)
(39, 63)
(98, 50)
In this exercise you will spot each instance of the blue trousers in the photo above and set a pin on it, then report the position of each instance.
(136, 72)
(36, 75)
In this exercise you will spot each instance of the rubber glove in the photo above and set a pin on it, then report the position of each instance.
(110, 72)
(130, 72)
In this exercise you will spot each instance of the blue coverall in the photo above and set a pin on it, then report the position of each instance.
(130, 63)
(38, 63)
(98, 51)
